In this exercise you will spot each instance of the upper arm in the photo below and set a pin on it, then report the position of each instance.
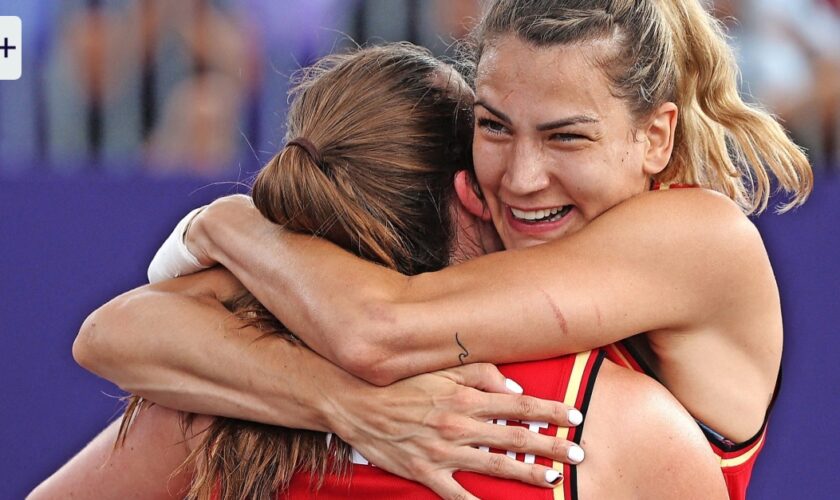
(679, 463)
(631, 415)
(660, 261)
(149, 313)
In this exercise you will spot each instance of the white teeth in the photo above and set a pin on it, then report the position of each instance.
(535, 214)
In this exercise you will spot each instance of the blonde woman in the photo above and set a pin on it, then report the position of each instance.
(586, 113)
(377, 139)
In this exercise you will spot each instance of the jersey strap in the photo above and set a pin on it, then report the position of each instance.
(577, 394)
(664, 186)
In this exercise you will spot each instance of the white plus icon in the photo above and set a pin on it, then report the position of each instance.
(11, 60)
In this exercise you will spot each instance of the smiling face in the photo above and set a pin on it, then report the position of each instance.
(553, 147)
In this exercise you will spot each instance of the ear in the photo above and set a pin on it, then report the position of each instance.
(660, 138)
(467, 195)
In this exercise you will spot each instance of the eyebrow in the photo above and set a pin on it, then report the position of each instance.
(565, 122)
(492, 110)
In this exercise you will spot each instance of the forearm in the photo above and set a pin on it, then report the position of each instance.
(593, 288)
(383, 326)
(193, 355)
(320, 292)
(375, 322)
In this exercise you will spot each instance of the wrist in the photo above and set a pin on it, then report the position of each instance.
(199, 238)
(339, 403)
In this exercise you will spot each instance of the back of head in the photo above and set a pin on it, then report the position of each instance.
(381, 133)
(669, 51)
(391, 126)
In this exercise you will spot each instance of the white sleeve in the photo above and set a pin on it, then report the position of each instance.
(173, 258)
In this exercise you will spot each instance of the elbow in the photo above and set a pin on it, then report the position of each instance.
(86, 351)
(365, 345)
(371, 354)
(367, 361)
(93, 349)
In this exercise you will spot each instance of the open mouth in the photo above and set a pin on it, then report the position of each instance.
(541, 216)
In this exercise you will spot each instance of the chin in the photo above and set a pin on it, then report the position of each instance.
(513, 240)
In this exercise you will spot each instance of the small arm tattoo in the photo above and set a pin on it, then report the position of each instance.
(461, 356)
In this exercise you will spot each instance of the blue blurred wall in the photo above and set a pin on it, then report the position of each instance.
(68, 244)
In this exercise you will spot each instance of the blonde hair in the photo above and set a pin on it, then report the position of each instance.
(670, 51)
(392, 125)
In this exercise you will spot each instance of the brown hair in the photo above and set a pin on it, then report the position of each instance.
(670, 51)
(392, 125)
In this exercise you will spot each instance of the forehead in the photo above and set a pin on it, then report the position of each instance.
(513, 72)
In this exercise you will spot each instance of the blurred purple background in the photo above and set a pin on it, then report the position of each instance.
(131, 112)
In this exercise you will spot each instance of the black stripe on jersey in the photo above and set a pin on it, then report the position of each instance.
(584, 406)
(712, 436)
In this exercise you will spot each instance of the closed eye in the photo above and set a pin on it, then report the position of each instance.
(566, 137)
(492, 126)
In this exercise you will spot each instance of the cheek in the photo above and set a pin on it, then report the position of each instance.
(489, 166)
(599, 179)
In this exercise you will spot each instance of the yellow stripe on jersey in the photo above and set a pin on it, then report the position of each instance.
(735, 461)
(572, 390)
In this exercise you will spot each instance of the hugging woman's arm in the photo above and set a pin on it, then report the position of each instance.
(176, 344)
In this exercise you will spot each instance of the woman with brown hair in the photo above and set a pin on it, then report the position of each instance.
(576, 144)
(392, 131)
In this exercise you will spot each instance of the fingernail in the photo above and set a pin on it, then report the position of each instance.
(575, 454)
(513, 386)
(575, 417)
(553, 477)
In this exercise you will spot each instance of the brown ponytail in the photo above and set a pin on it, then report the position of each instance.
(391, 126)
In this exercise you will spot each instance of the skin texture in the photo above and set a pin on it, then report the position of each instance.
(142, 468)
(631, 415)
(622, 264)
(576, 291)
(145, 341)
(536, 147)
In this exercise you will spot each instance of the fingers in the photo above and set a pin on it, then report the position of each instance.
(447, 487)
(500, 465)
(484, 377)
(522, 440)
(506, 400)
(527, 408)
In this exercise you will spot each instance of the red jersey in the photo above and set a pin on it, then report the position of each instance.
(569, 379)
(736, 459)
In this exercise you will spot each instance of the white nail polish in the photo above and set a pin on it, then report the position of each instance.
(513, 386)
(551, 476)
(576, 454)
(575, 417)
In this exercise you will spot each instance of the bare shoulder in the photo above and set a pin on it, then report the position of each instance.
(631, 415)
(701, 216)
(700, 237)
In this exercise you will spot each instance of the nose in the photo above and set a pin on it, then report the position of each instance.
(526, 172)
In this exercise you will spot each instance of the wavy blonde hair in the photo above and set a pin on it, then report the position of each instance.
(670, 51)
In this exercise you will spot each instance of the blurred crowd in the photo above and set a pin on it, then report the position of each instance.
(199, 86)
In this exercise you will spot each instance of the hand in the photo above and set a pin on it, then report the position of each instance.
(230, 211)
(426, 427)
